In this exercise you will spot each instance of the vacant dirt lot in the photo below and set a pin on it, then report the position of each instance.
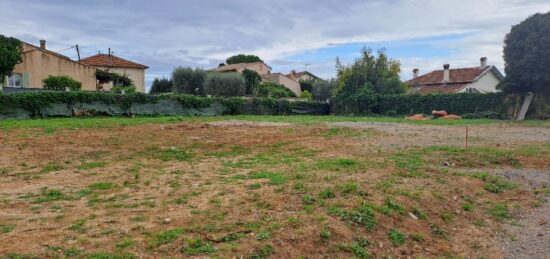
(283, 190)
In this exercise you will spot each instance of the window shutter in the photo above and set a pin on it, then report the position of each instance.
(25, 80)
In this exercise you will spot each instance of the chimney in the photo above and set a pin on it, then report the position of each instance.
(446, 76)
(43, 44)
(483, 62)
(415, 73)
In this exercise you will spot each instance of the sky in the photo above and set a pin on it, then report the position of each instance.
(286, 34)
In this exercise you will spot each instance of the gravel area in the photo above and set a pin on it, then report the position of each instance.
(529, 235)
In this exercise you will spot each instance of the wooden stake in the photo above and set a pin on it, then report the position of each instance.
(466, 138)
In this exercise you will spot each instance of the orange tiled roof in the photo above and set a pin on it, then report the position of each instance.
(460, 75)
(106, 60)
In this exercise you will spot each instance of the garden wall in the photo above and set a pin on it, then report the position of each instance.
(67, 104)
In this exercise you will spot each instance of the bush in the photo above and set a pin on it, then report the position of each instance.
(252, 80)
(118, 80)
(188, 80)
(61, 83)
(306, 85)
(271, 90)
(306, 95)
(224, 84)
(127, 89)
(161, 86)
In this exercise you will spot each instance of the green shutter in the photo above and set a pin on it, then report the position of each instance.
(25, 80)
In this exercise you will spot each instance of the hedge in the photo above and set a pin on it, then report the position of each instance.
(408, 104)
(34, 102)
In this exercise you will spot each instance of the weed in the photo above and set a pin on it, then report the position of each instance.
(264, 252)
(51, 167)
(337, 164)
(6, 228)
(172, 153)
(254, 186)
(263, 235)
(78, 226)
(362, 215)
(360, 250)
(198, 246)
(396, 237)
(418, 237)
(47, 195)
(493, 183)
(308, 200)
(325, 234)
(110, 256)
(446, 216)
(348, 188)
(274, 178)
(391, 207)
(499, 211)
(126, 243)
(327, 193)
(469, 207)
(165, 237)
(101, 186)
(90, 165)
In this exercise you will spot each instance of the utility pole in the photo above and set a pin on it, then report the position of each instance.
(78, 52)
(307, 66)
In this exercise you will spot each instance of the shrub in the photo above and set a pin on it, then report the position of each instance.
(161, 86)
(61, 83)
(118, 80)
(252, 80)
(224, 84)
(127, 89)
(188, 80)
(271, 90)
(306, 85)
(306, 95)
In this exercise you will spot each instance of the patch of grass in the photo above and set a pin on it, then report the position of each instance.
(6, 228)
(308, 200)
(47, 195)
(110, 256)
(78, 226)
(91, 165)
(469, 207)
(391, 207)
(263, 235)
(235, 151)
(363, 215)
(327, 193)
(493, 183)
(418, 237)
(51, 167)
(447, 216)
(165, 237)
(274, 178)
(348, 188)
(499, 211)
(101, 186)
(254, 186)
(359, 249)
(339, 164)
(198, 246)
(396, 237)
(126, 243)
(263, 252)
(170, 154)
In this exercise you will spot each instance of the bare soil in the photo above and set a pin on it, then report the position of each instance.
(235, 188)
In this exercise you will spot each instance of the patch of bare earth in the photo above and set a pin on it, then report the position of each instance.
(237, 188)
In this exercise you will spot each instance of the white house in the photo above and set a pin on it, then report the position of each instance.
(482, 79)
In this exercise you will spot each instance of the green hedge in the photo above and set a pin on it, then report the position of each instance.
(408, 104)
(35, 101)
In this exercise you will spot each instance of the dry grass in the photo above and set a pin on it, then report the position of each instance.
(190, 188)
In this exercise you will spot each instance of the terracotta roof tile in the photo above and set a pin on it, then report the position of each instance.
(460, 75)
(439, 88)
(105, 60)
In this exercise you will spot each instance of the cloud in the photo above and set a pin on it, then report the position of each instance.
(286, 33)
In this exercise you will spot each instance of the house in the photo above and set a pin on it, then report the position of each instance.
(301, 76)
(482, 79)
(265, 72)
(114, 64)
(260, 68)
(39, 63)
(280, 79)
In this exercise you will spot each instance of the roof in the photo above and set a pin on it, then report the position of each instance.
(433, 81)
(296, 75)
(237, 66)
(106, 60)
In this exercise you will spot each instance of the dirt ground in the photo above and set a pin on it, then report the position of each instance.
(235, 189)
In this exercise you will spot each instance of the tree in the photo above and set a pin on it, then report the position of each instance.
(161, 86)
(242, 58)
(323, 90)
(10, 55)
(188, 80)
(224, 84)
(307, 84)
(527, 56)
(359, 85)
(252, 80)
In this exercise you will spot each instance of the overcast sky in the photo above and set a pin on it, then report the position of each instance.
(287, 34)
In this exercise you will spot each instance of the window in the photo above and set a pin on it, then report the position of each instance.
(15, 80)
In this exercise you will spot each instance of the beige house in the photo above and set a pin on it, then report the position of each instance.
(260, 68)
(265, 72)
(39, 63)
(301, 76)
(278, 78)
(481, 79)
(114, 64)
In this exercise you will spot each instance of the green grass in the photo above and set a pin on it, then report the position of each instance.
(198, 246)
(51, 167)
(47, 195)
(53, 124)
(274, 178)
(397, 238)
(102, 186)
(90, 165)
(165, 237)
(6, 228)
(499, 211)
